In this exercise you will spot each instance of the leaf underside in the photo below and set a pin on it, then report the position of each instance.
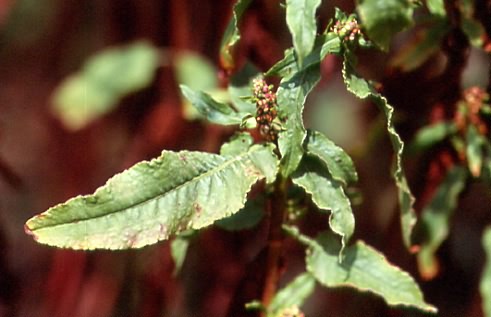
(156, 199)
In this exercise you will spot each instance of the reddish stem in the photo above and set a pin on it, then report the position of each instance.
(274, 262)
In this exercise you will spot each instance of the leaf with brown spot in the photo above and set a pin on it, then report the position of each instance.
(154, 200)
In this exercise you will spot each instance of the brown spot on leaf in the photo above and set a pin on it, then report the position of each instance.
(251, 171)
(197, 208)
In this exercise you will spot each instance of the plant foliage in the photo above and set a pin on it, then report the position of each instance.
(178, 193)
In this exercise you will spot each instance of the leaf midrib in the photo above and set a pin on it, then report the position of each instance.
(133, 206)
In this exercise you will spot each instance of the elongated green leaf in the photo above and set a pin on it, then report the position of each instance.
(471, 26)
(213, 110)
(104, 80)
(297, 83)
(328, 43)
(291, 97)
(232, 35)
(179, 248)
(435, 219)
(338, 162)
(195, 71)
(474, 31)
(154, 200)
(474, 150)
(365, 269)
(382, 19)
(293, 295)
(485, 286)
(284, 67)
(431, 135)
(365, 90)
(424, 45)
(327, 194)
(300, 18)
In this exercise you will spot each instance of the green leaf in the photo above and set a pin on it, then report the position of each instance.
(425, 44)
(364, 269)
(472, 27)
(104, 80)
(238, 144)
(291, 97)
(331, 45)
(338, 162)
(382, 19)
(154, 200)
(365, 90)
(294, 294)
(328, 43)
(485, 286)
(179, 248)
(300, 18)
(474, 31)
(246, 218)
(214, 111)
(285, 67)
(435, 219)
(430, 135)
(232, 35)
(327, 194)
(436, 7)
(474, 150)
(195, 71)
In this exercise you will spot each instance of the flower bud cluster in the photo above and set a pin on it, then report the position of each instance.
(475, 99)
(348, 30)
(266, 108)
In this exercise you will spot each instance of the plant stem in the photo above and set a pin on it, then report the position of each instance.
(274, 262)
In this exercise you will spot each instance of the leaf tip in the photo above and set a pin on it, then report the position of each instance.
(29, 231)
